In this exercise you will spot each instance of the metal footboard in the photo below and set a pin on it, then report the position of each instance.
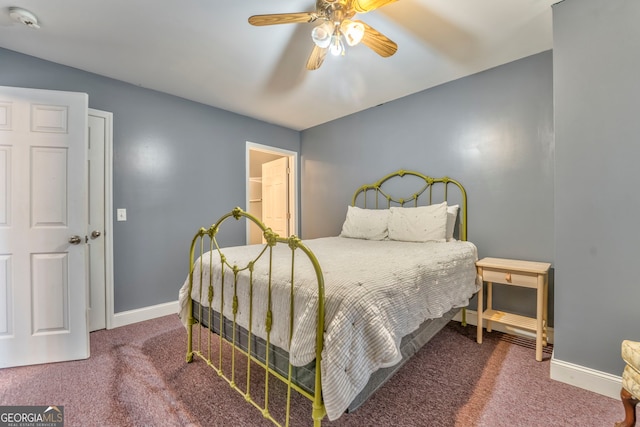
(206, 244)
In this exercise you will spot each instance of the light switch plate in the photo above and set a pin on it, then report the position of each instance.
(121, 215)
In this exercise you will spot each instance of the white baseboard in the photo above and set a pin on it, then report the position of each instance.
(141, 314)
(569, 373)
(589, 379)
(472, 319)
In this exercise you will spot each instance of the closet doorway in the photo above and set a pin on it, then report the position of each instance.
(271, 190)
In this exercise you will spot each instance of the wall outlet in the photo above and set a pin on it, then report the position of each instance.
(121, 215)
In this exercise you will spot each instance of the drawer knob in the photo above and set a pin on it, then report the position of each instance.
(507, 277)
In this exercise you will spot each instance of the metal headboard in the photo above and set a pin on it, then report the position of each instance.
(428, 190)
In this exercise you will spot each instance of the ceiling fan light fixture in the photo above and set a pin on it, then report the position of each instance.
(335, 30)
(322, 34)
(353, 32)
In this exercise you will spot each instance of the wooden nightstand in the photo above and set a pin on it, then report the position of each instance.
(515, 273)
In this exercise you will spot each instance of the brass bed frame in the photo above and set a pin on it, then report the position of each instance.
(241, 342)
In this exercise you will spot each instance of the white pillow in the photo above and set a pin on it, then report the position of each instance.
(419, 224)
(370, 224)
(452, 215)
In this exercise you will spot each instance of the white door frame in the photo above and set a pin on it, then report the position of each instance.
(293, 182)
(108, 214)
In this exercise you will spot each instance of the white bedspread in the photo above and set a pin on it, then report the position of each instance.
(375, 291)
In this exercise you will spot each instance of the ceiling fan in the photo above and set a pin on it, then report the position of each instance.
(336, 25)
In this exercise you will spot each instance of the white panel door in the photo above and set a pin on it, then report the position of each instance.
(43, 282)
(275, 195)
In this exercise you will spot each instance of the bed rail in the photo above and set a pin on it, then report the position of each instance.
(207, 291)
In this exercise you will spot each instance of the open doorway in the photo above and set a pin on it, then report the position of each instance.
(271, 190)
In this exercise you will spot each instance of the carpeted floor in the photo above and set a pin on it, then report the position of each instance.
(137, 376)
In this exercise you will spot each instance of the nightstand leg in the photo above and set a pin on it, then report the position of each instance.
(539, 317)
(546, 311)
(480, 307)
(489, 303)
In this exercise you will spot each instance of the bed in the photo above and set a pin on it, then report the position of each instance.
(333, 318)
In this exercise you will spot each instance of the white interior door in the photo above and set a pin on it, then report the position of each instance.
(99, 130)
(43, 217)
(275, 195)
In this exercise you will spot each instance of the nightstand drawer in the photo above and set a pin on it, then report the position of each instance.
(529, 280)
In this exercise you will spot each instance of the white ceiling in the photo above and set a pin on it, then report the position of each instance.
(206, 51)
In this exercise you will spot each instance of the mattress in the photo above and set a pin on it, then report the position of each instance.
(376, 292)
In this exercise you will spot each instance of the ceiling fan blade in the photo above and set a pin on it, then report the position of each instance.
(316, 58)
(283, 18)
(363, 6)
(377, 41)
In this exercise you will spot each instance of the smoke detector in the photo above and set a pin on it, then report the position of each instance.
(24, 17)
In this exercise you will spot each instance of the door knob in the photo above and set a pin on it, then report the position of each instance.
(74, 240)
(95, 234)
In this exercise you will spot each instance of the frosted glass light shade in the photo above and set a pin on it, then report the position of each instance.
(321, 34)
(353, 32)
(337, 48)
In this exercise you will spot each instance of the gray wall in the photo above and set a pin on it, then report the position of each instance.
(168, 152)
(597, 126)
(492, 131)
